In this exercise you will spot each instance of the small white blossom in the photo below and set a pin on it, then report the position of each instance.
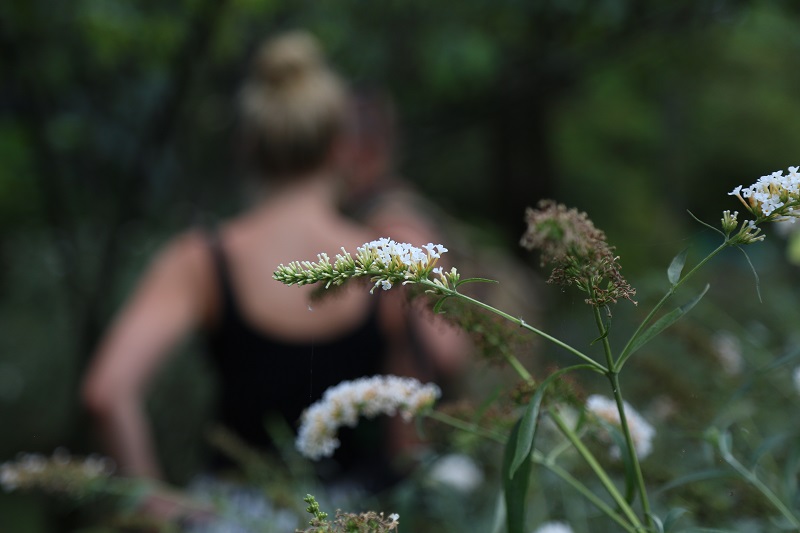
(457, 471)
(642, 432)
(553, 527)
(343, 404)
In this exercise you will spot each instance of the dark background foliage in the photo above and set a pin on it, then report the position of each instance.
(116, 130)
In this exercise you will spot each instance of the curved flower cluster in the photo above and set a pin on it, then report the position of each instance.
(385, 261)
(642, 432)
(343, 404)
(59, 473)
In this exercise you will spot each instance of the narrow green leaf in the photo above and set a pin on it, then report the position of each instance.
(672, 518)
(515, 487)
(676, 267)
(755, 274)
(694, 477)
(530, 420)
(527, 430)
(664, 322)
(437, 308)
(476, 280)
(657, 523)
(606, 331)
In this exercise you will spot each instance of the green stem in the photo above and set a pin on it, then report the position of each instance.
(613, 377)
(626, 350)
(466, 426)
(598, 470)
(604, 335)
(521, 323)
(752, 478)
(538, 458)
(634, 459)
(520, 369)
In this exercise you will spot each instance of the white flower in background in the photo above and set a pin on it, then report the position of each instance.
(553, 527)
(642, 432)
(796, 379)
(384, 261)
(457, 471)
(60, 473)
(728, 351)
(344, 403)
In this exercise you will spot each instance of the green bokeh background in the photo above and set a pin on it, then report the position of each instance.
(116, 122)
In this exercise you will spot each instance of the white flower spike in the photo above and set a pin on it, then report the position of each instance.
(343, 404)
(384, 261)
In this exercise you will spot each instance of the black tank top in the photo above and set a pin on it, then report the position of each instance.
(260, 376)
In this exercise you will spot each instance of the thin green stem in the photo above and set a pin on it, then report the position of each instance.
(539, 458)
(520, 369)
(626, 350)
(634, 459)
(604, 335)
(752, 478)
(613, 377)
(598, 470)
(466, 426)
(547, 463)
(521, 323)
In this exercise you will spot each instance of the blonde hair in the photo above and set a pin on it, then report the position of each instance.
(292, 107)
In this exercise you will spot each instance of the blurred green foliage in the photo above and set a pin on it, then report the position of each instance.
(116, 130)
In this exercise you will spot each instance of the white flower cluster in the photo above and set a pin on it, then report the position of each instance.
(553, 527)
(344, 403)
(775, 194)
(60, 473)
(385, 261)
(642, 432)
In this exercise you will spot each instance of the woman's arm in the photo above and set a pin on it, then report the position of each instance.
(170, 300)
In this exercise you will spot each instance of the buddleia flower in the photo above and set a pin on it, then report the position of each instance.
(772, 198)
(384, 261)
(345, 403)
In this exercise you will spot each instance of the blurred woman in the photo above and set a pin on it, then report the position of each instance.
(273, 350)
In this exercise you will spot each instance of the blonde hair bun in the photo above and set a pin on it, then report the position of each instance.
(292, 106)
(285, 60)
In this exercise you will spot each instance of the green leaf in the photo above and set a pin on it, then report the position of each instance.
(657, 523)
(476, 280)
(694, 477)
(672, 518)
(530, 420)
(663, 323)
(676, 267)
(515, 486)
(606, 331)
(437, 308)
